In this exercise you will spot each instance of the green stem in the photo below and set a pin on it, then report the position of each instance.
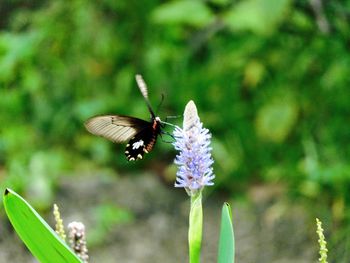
(195, 228)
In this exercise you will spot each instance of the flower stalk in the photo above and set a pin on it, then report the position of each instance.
(59, 228)
(322, 242)
(77, 240)
(195, 228)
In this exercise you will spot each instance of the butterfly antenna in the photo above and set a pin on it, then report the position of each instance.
(143, 88)
(168, 123)
(172, 117)
(169, 134)
(160, 103)
(166, 141)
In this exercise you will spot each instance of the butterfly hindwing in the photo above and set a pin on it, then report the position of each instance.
(116, 128)
(142, 142)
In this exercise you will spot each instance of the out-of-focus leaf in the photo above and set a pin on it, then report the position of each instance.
(334, 76)
(319, 172)
(258, 16)
(220, 2)
(15, 48)
(44, 166)
(301, 20)
(253, 73)
(220, 152)
(32, 80)
(275, 120)
(36, 234)
(106, 217)
(191, 12)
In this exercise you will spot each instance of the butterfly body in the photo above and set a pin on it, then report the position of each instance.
(141, 135)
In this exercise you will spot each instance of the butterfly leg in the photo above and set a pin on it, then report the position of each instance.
(167, 133)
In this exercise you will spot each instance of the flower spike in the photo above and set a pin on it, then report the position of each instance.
(194, 159)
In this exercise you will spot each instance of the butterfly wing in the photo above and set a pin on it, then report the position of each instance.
(143, 141)
(116, 128)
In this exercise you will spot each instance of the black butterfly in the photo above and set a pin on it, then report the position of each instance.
(142, 135)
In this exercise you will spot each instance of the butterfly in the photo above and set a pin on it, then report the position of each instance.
(140, 134)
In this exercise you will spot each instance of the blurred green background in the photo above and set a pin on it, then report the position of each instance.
(270, 80)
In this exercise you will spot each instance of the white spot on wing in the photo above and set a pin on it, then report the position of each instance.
(137, 145)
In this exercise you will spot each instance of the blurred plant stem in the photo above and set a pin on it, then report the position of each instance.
(195, 228)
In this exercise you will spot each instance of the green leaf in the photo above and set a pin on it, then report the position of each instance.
(258, 16)
(37, 235)
(190, 12)
(276, 119)
(226, 252)
(14, 49)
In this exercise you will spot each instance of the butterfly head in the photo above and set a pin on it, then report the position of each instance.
(158, 123)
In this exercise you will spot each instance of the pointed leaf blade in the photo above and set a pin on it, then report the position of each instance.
(37, 235)
(226, 252)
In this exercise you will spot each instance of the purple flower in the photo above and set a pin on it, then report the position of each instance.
(194, 160)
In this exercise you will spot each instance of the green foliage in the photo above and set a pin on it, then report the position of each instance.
(258, 16)
(37, 235)
(176, 13)
(106, 217)
(276, 119)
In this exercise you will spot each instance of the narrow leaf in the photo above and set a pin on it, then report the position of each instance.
(37, 235)
(226, 252)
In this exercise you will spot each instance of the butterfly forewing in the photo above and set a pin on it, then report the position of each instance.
(116, 128)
